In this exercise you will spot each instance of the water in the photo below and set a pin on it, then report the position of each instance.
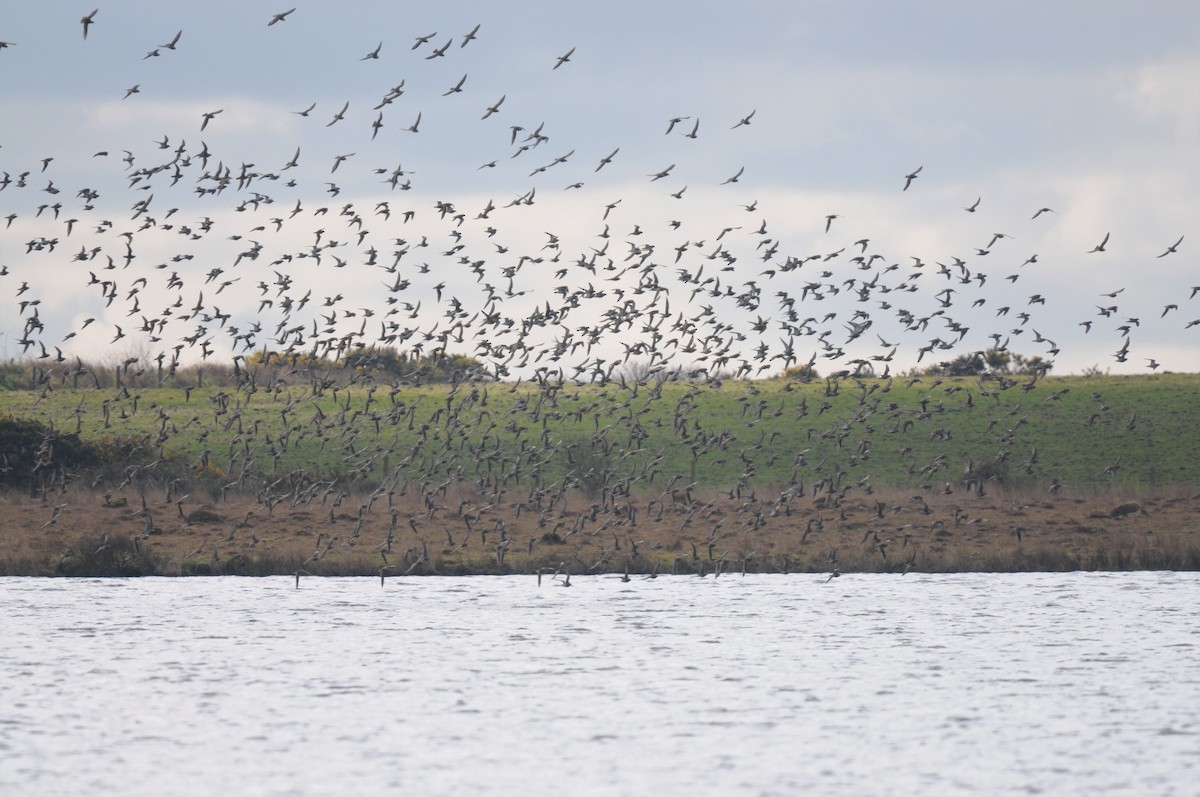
(960, 684)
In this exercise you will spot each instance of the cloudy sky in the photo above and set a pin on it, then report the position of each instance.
(1091, 109)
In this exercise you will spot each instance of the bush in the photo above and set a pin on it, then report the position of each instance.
(31, 452)
(102, 556)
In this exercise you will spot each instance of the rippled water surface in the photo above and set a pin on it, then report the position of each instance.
(984, 684)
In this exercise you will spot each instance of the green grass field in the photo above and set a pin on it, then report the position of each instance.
(736, 436)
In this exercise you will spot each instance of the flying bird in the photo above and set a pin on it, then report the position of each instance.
(745, 120)
(495, 108)
(440, 51)
(337, 117)
(607, 159)
(280, 17)
(662, 174)
(208, 117)
(1171, 249)
(908, 178)
(972, 208)
(562, 59)
(1100, 246)
(88, 21)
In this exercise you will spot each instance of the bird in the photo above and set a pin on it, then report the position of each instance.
(1100, 246)
(88, 21)
(745, 120)
(280, 17)
(661, 174)
(494, 107)
(457, 87)
(607, 159)
(134, 89)
(171, 44)
(908, 178)
(337, 117)
(564, 58)
(1043, 210)
(1171, 249)
(735, 177)
(208, 117)
(374, 54)
(440, 52)
(973, 207)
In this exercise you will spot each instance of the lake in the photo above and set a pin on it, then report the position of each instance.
(1076, 683)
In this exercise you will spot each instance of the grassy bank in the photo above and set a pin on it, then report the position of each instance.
(897, 432)
(948, 474)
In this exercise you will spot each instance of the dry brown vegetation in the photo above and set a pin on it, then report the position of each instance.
(330, 532)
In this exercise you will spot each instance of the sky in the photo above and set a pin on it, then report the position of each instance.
(1090, 109)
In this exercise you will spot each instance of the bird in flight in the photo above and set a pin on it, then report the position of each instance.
(1043, 210)
(494, 108)
(662, 174)
(337, 117)
(608, 159)
(171, 44)
(280, 17)
(745, 120)
(562, 59)
(973, 207)
(1172, 247)
(374, 54)
(208, 117)
(674, 121)
(908, 178)
(88, 21)
(1100, 246)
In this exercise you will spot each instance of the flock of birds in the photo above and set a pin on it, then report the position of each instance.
(218, 257)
